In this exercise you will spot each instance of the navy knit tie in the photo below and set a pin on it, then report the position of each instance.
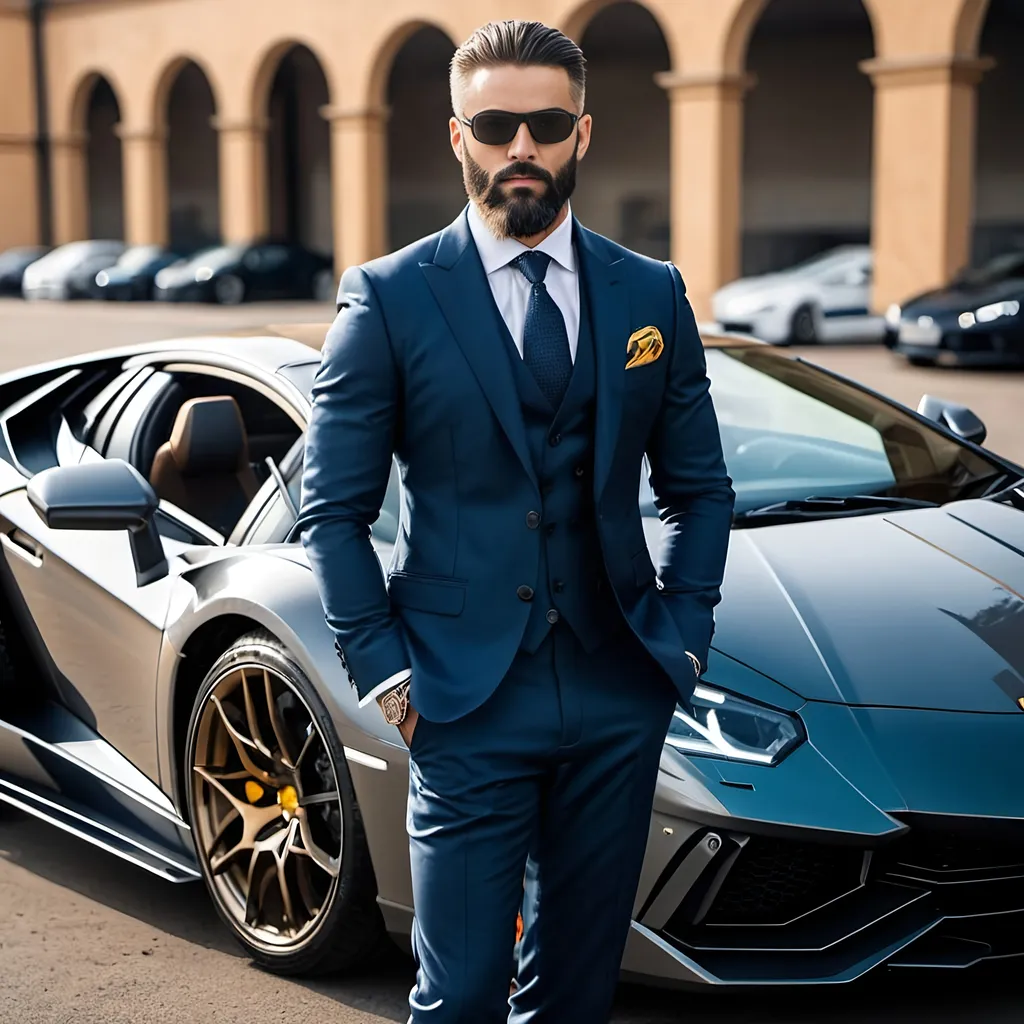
(545, 342)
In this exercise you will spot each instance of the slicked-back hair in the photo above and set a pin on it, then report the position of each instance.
(522, 44)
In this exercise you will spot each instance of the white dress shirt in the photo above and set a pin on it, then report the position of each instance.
(509, 286)
(511, 293)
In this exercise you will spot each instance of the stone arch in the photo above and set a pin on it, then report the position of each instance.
(807, 133)
(94, 118)
(969, 25)
(292, 90)
(381, 64)
(624, 191)
(269, 63)
(165, 82)
(998, 214)
(746, 17)
(184, 111)
(579, 19)
(424, 182)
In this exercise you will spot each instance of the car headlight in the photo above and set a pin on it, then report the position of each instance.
(162, 279)
(994, 310)
(103, 279)
(734, 729)
(204, 273)
(893, 315)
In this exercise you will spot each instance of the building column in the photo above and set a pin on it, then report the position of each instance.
(144, 159)
(243, 179)
(706, 124)
(358, 183)
(70, 187)
(923, 187)
(19, 198)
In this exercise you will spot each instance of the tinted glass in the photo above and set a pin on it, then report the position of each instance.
(791, 431)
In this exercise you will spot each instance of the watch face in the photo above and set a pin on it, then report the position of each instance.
(393, 705)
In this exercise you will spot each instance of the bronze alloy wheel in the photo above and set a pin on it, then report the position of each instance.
(271, 808)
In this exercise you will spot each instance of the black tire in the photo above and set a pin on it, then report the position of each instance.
(350, 932)
(803, 328)
(229, 290)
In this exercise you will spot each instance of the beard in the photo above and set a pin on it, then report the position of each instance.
(521, 212)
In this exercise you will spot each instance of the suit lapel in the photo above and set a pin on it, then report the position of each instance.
(609, 320)
(457, 279)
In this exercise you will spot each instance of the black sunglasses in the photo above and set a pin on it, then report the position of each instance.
(499, 127)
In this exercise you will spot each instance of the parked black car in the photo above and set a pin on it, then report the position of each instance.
(132, 276)
(230, 274)
(978, 319)
(12, 266)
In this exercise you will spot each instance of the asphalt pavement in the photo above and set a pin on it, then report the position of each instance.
(85, 938)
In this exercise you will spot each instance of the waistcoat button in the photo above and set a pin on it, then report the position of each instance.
(554, 440)
(552, 615)
(525, 593)
(557, 586)
(578, 471)
(533, 520)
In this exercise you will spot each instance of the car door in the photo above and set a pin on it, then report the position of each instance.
(845, 299)
(100, 630)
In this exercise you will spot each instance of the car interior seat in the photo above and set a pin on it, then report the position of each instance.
(204, 468)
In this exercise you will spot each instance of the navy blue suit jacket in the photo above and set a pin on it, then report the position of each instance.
(413, 366)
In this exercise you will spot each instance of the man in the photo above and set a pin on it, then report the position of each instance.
(520, 368)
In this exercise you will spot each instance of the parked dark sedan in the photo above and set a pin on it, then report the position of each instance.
(978, 319)
(230, 274)
(12, 266)
(132, 276)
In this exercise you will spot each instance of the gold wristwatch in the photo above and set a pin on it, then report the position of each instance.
(395, 704)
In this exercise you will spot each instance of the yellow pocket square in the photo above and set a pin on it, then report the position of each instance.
(643, 347)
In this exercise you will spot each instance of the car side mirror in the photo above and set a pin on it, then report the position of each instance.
(955, 417)
(108, 495)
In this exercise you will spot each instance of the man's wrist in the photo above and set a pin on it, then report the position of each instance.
(394, 703)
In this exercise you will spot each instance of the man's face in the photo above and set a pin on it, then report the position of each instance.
(518, 187)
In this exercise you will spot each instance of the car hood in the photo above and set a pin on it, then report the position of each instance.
(963, 298)
(753, 286)
(918, 609)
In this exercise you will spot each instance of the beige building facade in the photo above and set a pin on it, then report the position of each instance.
(732, 136)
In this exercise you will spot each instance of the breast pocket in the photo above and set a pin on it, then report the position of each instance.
(442, 595)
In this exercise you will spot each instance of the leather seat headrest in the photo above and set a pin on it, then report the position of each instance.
(209, 437)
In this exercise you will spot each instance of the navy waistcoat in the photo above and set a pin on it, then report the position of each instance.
(571, 583)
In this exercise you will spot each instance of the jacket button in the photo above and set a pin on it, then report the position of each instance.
(554, 440)
(557, 586)
(552, 615)
(578, 471)
(525, 593)
(533, 520)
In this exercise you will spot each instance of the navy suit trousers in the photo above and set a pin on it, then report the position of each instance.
(550, 781)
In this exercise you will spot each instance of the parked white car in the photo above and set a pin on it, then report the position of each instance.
(824, 299)
(50, 277)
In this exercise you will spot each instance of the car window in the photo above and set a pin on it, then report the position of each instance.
(790, 430)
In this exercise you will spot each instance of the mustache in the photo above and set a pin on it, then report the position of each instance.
(522, 170)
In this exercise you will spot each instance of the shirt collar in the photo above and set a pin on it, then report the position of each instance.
(496, 253)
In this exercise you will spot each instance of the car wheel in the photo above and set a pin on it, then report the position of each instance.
(324, 288)
(229, 290)
(274, 817)
(803, 328)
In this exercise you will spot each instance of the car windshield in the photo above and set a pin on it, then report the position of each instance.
(790, 431)
(828, 262)
(219, 256)
(138, 256)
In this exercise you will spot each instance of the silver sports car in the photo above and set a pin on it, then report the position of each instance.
(842, 797)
